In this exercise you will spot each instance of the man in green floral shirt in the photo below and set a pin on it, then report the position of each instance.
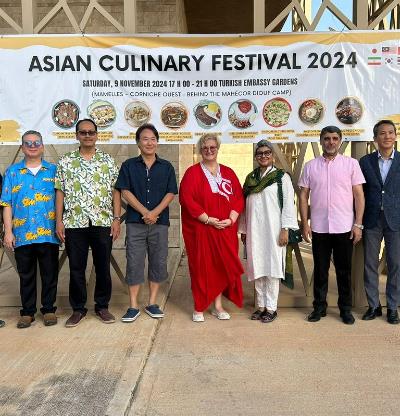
(88, 210)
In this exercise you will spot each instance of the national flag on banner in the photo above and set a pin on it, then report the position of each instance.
(374, 60)
(389, 49)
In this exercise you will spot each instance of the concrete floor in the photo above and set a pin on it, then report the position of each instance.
(288, 367)
(176, 367)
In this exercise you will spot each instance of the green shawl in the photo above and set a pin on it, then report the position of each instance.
(254, 183)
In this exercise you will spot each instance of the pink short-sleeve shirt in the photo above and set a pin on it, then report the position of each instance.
(331, 192)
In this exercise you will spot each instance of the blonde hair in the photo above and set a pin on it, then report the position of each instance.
(204, 138)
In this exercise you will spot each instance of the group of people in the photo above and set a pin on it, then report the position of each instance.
(341, 201)
(78, 203)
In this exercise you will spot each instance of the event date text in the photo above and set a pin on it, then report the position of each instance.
(328, 60)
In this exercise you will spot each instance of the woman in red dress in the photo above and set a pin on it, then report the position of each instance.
(211, 199)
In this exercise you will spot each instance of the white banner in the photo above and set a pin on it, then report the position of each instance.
(281, 87)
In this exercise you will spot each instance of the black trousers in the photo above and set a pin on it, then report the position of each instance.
(323, 245)
(27, 257)
(77, 243)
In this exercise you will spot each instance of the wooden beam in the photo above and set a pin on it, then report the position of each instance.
(282, 15)
(86, 16)
(108, 16)
(28, 9)
(315, 149)
(360, 14)
(181, 23)
(130, 16)
(10, 21)
(302, 269)
(282, 158)
(259, 16)
(53, 12)
(344, 19)
(71, 18)
(319, 14)
(302, 16)
(385, 11)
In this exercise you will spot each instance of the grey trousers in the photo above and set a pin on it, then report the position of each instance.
(372, 244)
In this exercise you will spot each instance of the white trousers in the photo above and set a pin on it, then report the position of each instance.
(267, 290)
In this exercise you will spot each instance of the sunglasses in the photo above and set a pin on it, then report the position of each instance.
(87, 132)
(264, 154)
(32, 144)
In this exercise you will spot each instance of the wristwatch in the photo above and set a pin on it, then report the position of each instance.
(360, 226)
(117, 218)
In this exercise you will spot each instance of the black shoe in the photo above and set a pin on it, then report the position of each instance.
(347, 317)
(316, 315)
(269, 317)
(372, 313)
(393, 316)
(258, 314)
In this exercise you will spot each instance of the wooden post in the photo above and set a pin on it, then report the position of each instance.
(130, 16)
(28, 15)
(258, 16)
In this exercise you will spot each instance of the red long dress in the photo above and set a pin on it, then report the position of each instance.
(214, 263)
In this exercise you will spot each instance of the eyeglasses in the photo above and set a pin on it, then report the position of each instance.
(87, 132)
(210, 149)
(264, 154)
(32, 144)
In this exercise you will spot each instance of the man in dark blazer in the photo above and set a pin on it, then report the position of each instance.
(381, 170)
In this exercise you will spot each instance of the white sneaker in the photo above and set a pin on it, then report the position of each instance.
(223, 315)
(198, 317)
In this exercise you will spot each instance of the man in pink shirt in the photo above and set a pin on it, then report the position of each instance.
(334, 184)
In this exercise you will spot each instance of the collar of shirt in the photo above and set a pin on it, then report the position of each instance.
(22, 165)
(76, 154)
(390, 157)
(327, 160)
(140, 159)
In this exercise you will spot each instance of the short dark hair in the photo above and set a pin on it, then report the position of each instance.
(83, 120)
(330, 129)
(146, 126)
(34, 132)
(379, 123)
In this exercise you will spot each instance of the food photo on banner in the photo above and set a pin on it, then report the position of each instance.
(279, 87)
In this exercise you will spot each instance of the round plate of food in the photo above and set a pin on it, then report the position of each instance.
(311, 111)
(207, 113)
(137, 113)
(242, 114)
(102, 113)
(65, 114)
(349, 110)
(174, 115)
(276, 112)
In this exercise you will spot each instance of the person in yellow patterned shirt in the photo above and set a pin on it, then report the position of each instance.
(28, 198)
